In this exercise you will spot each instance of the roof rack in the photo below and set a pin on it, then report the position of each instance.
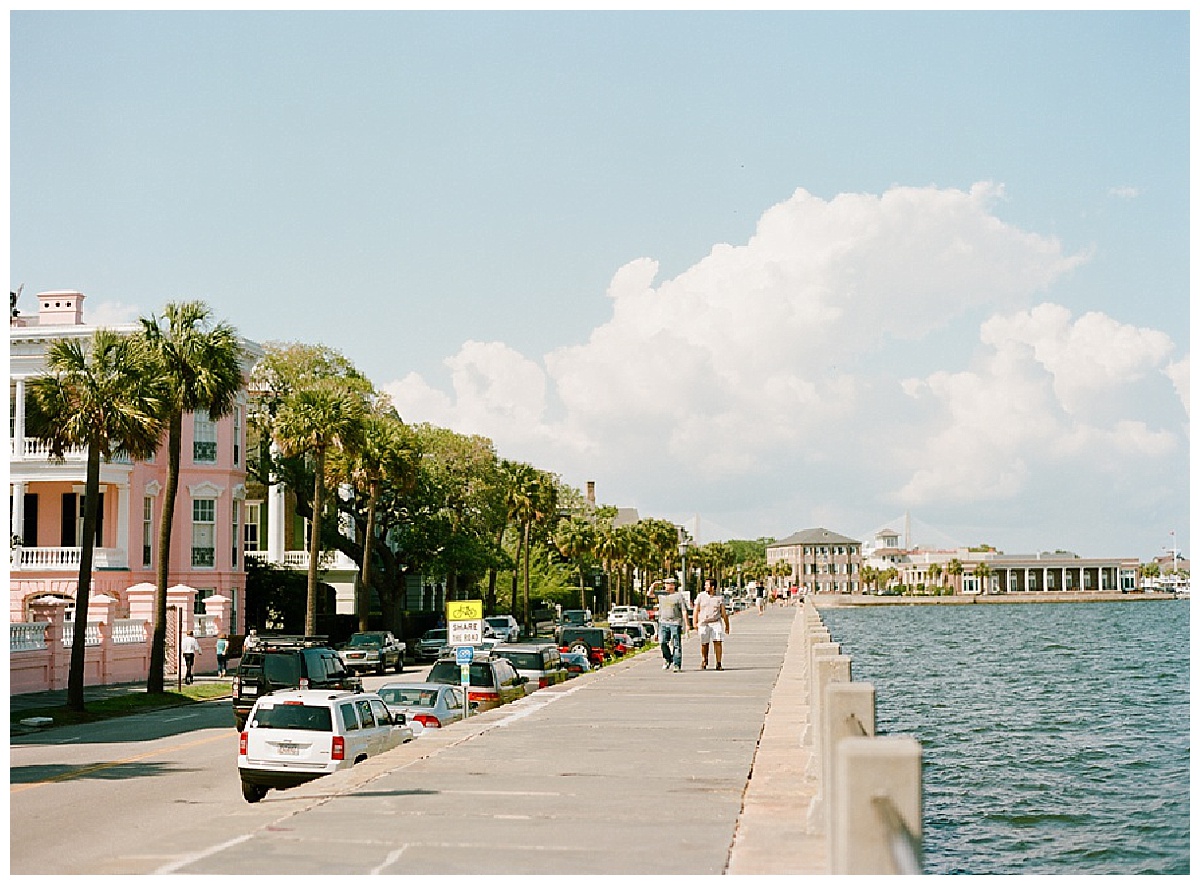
(291, 641)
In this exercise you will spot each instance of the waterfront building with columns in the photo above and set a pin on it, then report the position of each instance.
(918, 567)
(46, 495)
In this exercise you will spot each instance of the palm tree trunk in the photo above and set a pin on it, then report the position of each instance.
(314, 543)
(528, 623)
(158, 646)
(363, 605)
(84, 586)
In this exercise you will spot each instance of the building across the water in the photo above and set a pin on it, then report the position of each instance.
(822, 561)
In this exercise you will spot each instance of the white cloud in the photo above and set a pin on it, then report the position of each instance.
(1025, 403)
(111, 313)
(1124, 192)
(773, 368)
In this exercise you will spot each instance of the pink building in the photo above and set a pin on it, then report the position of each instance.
(46, 498)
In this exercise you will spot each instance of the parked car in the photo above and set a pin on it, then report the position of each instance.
(374, 650)
(619, 615)
(623, 642)
(504, 627)
(430, 645)
(493, 681)
(636, 633)
(428, 704)
(651, 628)
(575, 664)
(595, 642)
(292, 737)
(540, 663)
(275, 663)
(577, 617)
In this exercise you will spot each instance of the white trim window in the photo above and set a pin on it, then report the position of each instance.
(147, 531)
(233, 559)
(251, 527)
(204, 532)
(204, 438)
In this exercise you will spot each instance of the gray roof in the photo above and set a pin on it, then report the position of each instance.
(814, 536)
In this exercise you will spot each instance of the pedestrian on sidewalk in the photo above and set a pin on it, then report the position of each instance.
(710, 617)
(189, 648)
(672, 624)
(760, 597)
(222, 653)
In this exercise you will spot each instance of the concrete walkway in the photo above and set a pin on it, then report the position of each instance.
(633, 770)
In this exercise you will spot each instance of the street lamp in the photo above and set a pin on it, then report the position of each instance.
(683, 548)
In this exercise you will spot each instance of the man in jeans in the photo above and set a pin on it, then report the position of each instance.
(712, 620)
(672, 622)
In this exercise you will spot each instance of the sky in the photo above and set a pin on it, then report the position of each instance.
(750, 272)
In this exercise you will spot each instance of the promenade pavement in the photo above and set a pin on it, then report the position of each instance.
(632, 770)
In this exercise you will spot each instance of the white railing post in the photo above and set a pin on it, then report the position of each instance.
(876, 809)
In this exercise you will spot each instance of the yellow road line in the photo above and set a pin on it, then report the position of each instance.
(100, 766)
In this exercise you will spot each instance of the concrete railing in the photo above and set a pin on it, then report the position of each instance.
(868, 802)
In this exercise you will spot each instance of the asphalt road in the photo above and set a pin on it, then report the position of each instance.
(140, 788)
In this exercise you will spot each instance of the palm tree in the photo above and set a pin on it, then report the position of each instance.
(201, 364)
(983, 571)
(108, 397)
(386, 454)
(954, 568)
(576, 542)
(935, 573)
(313, 419)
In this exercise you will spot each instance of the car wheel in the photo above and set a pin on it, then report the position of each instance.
(382, 668)
(400, 663)
(253, 792)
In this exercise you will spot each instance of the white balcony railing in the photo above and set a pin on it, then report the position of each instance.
(92, 637)
(27, 636)
(66, 558)
(331, 560)
(128, 632)
(33, 449)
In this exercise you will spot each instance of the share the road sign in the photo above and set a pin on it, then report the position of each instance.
(464, 622)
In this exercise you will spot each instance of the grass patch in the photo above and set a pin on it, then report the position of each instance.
(125, 705)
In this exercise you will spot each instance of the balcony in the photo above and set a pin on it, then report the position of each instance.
(331, 560)
(33, 449)
(66, 559)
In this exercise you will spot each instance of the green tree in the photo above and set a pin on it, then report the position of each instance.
(576, 542)
(201, 364)
(326, 414)
(109, 397)
(983, 572)
(954, 568)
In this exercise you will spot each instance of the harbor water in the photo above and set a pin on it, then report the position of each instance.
(1055, 735)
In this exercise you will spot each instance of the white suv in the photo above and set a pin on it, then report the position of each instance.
(625, 614)
(292, 737)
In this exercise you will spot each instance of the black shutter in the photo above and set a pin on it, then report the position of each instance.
(68, 520)
(31, 519)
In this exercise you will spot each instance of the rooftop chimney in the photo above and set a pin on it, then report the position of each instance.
(60, 308)
(591, 492)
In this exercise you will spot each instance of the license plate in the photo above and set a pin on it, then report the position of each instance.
(250, 689)
(288, 749)
(356, 655)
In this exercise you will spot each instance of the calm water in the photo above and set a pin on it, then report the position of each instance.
(1055, 736)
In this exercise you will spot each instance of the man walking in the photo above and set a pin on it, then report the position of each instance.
(672, 622)
(712, 620)
(189, 648)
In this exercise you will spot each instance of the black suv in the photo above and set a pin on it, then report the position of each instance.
(277, 662)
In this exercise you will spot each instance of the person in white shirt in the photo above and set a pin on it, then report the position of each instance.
(712, 620)
(189, 648)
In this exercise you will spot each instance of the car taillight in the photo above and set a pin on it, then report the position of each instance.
(303, 682)
(338, 751)
(242, 743)
(427, 720)
(237, 684)
(482, 695)
(543, 681)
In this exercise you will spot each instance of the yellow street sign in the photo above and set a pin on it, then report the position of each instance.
(464, 610)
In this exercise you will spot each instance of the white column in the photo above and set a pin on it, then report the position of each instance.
(123, 520)
(18, 438)
(17, 507)
(275, 517)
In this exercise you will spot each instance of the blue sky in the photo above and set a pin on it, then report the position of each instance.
(776, 269)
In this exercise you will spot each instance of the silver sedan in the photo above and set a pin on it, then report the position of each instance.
(426, 704)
